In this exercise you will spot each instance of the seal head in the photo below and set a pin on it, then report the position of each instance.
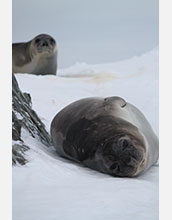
(43, 43)
(122, 157)
(38, 56)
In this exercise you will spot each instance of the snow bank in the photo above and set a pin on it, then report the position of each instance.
(51, 188)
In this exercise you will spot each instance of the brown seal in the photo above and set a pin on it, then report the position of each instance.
(38, 56)
(108, 135)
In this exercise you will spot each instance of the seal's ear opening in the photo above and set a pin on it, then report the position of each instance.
(127, 158)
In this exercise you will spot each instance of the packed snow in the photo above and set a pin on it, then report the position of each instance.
(50, 187)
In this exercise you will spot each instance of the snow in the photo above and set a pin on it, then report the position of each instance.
(50, 187)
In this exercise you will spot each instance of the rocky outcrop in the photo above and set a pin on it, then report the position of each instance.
(23, 116)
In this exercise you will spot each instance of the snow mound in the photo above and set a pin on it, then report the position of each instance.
(50, 187)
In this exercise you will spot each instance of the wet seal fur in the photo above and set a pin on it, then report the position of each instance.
(38, 56)
(108, 135)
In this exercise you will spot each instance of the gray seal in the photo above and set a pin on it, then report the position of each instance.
(38, 56)
(106, 134)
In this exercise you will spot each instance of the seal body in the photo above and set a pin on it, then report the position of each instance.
(105, 134)
(38, 56)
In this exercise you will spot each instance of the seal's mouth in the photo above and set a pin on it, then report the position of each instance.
(44, 49)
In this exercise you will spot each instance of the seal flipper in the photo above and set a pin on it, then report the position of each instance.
(115, 99)
(70, 151)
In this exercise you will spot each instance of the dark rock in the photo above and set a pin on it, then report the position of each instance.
(16, 127)
(24, 116)
(18, 153)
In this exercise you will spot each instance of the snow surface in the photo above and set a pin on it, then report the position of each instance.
(52, 188)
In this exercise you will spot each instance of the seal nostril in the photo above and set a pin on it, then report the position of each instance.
(45, 44)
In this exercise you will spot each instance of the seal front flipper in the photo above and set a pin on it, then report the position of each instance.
(115, 99)
(79, 142)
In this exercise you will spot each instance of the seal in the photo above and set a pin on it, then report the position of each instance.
(38, 56)
(106, 134)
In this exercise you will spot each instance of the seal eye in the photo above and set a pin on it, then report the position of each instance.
(125, 143)
(52, 41)
(37, 40)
